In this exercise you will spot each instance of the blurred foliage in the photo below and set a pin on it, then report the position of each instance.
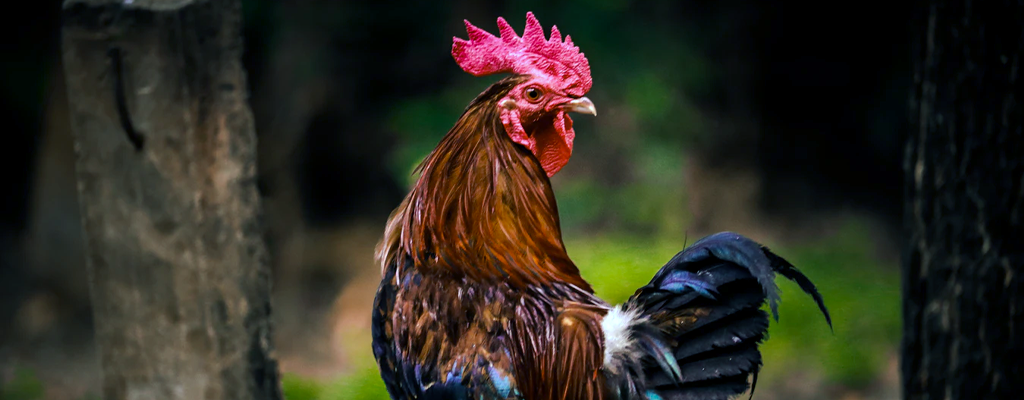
(24, 386)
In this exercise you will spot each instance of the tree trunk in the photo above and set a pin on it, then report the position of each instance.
(165, 147)
(963, 276)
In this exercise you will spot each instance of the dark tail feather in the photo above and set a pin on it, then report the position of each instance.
(790, 272)
(705, 306)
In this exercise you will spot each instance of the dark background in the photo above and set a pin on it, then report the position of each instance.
(781, 120)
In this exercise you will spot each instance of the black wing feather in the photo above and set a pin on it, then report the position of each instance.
(705, 306)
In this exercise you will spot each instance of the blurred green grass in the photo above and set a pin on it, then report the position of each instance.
(23, 386)
(862, 294)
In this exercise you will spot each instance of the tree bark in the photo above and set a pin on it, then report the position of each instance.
(165, 147)
(963, 271)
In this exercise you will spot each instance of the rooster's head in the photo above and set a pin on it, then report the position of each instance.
(557, 77)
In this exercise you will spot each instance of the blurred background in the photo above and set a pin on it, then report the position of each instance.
(783, 121)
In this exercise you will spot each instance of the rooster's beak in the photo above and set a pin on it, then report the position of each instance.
(581, 105)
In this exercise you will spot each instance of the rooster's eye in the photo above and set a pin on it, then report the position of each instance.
(532, 94)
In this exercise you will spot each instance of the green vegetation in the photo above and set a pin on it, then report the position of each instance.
(863, 296)
(24, 386)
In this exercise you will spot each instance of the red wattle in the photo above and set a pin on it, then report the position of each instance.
(554, 143)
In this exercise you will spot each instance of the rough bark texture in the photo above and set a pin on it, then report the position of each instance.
(964, 267)
(165, 146)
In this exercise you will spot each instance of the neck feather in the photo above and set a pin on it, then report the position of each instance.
(482, 208)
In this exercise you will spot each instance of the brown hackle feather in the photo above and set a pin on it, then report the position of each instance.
(482, 208)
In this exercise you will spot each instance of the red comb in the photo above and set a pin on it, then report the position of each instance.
(485, 54)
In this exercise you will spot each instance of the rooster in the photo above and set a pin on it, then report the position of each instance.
(479, 299)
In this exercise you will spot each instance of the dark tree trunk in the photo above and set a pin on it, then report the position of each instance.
(964, 267)
(165, 148)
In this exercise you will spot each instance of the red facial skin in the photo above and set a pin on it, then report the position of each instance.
(534, 117)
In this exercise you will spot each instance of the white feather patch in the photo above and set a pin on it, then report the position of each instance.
(619, 345)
